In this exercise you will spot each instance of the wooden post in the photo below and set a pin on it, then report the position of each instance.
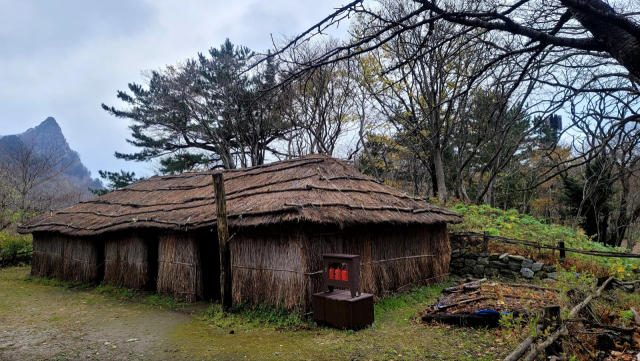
(223, 240)
(562, 252)
(551, 318)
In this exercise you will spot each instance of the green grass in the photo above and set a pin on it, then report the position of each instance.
(115, 292)
(270, 333)
(512, 224)
(415, 296)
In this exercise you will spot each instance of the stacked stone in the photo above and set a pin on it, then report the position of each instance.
(493, 265)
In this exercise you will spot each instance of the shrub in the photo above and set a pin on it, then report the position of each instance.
(12, 244)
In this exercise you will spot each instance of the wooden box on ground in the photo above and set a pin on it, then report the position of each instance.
(339, 309)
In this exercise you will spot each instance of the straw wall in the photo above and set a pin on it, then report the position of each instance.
(391, 258)
(179, 267)
(281, 266)
(267, 267)
(126, 261)
(67, 258)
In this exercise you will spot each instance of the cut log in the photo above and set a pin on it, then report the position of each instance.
(536, 349)
(464, 287)
(534, 287)
(442, 308)
(524, 346)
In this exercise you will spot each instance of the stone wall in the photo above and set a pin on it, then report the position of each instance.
(493, 265)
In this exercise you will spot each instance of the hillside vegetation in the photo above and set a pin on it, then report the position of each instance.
(511, 224)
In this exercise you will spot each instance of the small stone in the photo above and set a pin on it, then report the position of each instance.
(516, 258)
(549, 281)
(541, 274)
(508, 274)
(628, 288)
(527, 272)
(553, 275)
(483, 261)
(132, 340)
(497, 264)
(470, 262)
(484, 254)
(548, 268)
(471, 254)
(494, 256)
(491, 272)
(514, 266)
(455, 253)
(463, 251)
(466, 270)
(459, 261)
(504, 257)
(527, 263)
(478, 270)
(537, 266)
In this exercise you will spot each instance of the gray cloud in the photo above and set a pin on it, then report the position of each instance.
(64, 58)
(34, 28)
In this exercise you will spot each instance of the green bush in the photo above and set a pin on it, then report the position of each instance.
(11, 244)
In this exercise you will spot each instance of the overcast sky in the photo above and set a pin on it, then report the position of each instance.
(63, 58)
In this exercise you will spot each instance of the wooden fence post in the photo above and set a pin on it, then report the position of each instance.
(223, 240)
(562, 251)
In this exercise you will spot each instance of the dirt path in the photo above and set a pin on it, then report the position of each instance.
(47, 323)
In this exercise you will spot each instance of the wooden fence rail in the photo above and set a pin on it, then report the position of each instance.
(538, 245)
(14, 257)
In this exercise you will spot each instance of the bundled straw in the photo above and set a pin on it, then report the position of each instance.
(126, 261)
(66, 258)
(179, 268)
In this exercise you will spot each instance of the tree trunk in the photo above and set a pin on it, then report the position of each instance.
(439, 168)
(620, 43)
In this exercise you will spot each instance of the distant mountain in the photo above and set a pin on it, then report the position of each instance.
(46, 138)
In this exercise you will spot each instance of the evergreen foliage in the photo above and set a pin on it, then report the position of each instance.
(115, 181)
(206, 112)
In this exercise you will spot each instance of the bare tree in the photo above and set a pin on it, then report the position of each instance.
(321, 102)
(24, 170)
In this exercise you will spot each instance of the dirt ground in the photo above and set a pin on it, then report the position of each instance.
(43, 322)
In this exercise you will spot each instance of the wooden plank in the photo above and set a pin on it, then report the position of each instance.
(223, 240)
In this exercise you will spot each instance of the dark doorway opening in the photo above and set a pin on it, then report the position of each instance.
(210, 262)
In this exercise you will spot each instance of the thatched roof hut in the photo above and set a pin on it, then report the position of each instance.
(160, 232)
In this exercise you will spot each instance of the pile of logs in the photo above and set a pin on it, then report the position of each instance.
(555, 327)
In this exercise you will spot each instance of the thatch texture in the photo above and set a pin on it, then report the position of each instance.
(268, 266)
(126, 261)
(179, 267)
(67, 258)
(315, 189)
(283, 266)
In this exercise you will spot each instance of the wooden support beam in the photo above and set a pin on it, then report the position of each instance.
(223, 241)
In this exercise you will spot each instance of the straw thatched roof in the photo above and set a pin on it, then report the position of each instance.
(317, 189)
